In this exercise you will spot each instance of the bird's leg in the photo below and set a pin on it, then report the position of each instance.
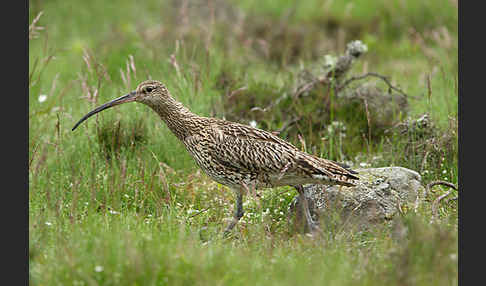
(238, 212)
(310, 225)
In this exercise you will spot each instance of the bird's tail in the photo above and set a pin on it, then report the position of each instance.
(328, 170)
(345, 166)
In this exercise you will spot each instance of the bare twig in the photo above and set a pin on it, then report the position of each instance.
(310, 85)
(440, 198)
(236, 91)
(343, 64)
(271, 105)
(286, 125)
(384, 78)
(257, 108)
(436, 203)
(434, 183)
(452, 199)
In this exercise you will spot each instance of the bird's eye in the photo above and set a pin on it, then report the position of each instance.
(149, 89)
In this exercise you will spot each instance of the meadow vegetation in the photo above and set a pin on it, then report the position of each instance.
(120, 202)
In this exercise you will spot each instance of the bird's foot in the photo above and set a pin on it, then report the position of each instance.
(308, 225)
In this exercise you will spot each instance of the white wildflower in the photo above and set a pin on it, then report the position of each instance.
(98, 268)
(42, 98)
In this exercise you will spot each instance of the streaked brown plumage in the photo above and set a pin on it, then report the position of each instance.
(236, 155)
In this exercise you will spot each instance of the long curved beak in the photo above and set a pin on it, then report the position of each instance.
(122, 99)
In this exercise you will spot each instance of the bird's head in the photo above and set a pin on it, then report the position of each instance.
(149, 92)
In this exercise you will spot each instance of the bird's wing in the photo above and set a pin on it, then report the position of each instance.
(249, 149)
(246, 132)
(277, 153)
(244, 149)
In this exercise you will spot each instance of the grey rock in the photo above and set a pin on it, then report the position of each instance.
(376, 197)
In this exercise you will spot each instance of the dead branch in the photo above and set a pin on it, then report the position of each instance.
(270, 106)
(436, 202)
(451, 199)
(384, 78)
(434, 183)
(236, 91)
(286, 125)
(353, 51)
(310, 85)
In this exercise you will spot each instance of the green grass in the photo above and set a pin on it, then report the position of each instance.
(120, 202)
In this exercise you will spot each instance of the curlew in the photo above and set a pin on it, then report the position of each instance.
(236, 155)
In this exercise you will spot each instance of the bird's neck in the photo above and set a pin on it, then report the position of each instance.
(176, 116)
